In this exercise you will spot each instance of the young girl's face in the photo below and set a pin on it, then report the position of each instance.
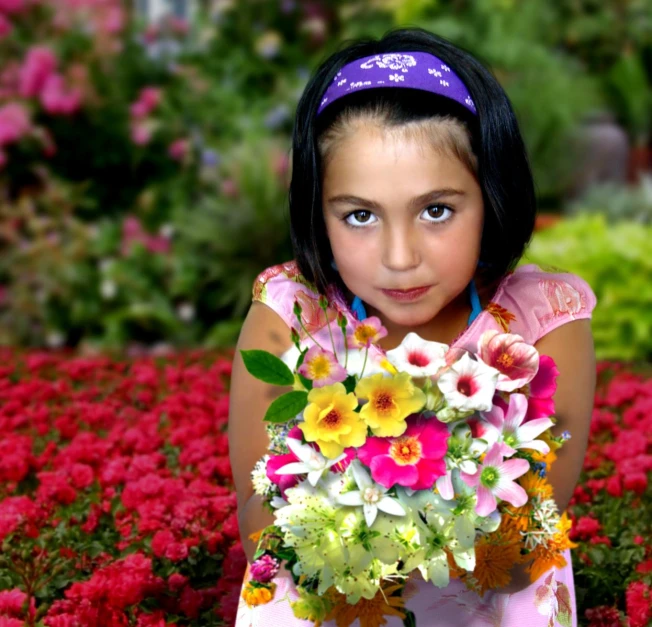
(401, 215)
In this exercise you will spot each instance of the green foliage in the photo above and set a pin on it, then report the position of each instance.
(615, 260)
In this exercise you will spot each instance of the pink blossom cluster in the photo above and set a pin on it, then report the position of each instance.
(40, 79)
(133, 232)
(138, 451)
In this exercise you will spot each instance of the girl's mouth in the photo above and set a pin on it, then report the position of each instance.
(406, 295)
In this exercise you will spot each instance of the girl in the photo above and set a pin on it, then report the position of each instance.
(412, 200)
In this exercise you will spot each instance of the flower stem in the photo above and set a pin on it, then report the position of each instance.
(364, 363)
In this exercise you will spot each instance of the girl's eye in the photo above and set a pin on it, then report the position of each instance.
(361, 219)
(439, 213)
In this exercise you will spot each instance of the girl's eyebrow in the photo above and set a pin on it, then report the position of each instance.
(434, 194)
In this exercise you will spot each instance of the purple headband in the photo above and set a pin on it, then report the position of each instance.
(416, 70)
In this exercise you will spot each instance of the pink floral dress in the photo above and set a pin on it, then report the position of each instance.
(529, 302)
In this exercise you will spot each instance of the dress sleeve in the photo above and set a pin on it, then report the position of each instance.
(541, 301)
(280, 286)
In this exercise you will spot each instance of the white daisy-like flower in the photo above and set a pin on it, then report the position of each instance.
(469, 385)
(262, 485)
(418, 357)
(546, 514)
(370, 495)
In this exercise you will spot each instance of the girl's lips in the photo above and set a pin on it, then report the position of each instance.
(406, 295)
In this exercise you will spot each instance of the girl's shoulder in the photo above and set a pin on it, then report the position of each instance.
(280, 286)
(532, 301)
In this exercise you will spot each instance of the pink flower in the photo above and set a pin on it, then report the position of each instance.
(56, 99)
(264, 569)
(495, 478)
(148, 99)
(469, 385)
(39, 64)
(515, 359)
(415, 459)
(5, 26)
(14, 123)
(321, 367)
(278, 461)
(541, 390)
(178, 149)
(141, 134)
(510, 429)
(366, 332)
(12, 6)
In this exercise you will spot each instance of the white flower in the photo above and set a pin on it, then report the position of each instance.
(469, 385)
(371, 496)
(262, 485)
(312, 463)
(186, 311)
(108, 289)
(418, 357)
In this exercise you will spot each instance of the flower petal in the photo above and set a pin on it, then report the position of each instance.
(353, 498)
(486, 501)
(370, 513)
(511, 492)
(390, 506)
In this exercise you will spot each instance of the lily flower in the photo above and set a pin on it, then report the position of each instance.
(370, 495)
(511, 429)
(469, 385)
(515, 359)
(418, 357)
(495, 478)
(312, 462)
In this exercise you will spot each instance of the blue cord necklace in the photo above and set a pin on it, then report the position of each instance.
(476, 308)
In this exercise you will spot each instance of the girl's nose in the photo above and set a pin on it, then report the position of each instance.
(400, 250)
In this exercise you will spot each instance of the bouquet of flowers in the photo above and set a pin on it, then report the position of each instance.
(434, 465)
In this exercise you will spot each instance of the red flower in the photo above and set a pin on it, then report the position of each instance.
(638, 603)
(585, 528)
(637, 482)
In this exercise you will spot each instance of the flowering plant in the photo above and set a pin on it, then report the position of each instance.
(436, 464)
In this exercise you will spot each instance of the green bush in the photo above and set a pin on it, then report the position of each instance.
(615, 260)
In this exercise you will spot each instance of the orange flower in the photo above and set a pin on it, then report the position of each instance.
(255, 536)
(535, 485)
(494, 561)
(370, 612)
(501, 315)
(545, 556)
(258, 595)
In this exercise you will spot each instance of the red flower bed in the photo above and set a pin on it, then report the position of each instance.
(116, 500)
(117, 505)
(612, 505)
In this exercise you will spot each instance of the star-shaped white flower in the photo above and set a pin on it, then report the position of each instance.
(370, 495)
(312, 463)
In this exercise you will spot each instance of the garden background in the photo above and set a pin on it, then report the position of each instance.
(143, 187)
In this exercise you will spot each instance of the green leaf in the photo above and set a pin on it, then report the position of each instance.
(286, 407)
(267, 367)
(350, 383)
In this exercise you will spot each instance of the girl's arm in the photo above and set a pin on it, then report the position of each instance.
(249, 398)
(571, 346)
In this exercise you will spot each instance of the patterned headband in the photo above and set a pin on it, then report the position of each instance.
(415, 70)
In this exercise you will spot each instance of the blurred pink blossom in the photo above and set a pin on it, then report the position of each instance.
(178, 25)
(178, 149)
(5, 26)
(3, 158)
(12, 6)
(133, 232)
(141, 133)
(39, 64)
(56, 99)
(14, 123)
(148, 99)
(112, 21)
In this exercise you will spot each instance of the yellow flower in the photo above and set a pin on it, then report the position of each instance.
(391, 401)
(330, 420)
(370, 612)
(258, 595)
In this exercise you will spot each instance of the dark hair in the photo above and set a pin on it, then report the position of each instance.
(504, 173)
